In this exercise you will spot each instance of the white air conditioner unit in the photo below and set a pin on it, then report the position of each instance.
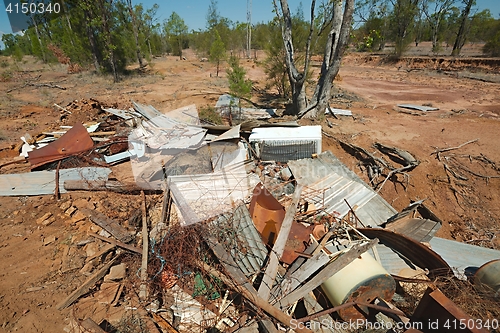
(282, 144)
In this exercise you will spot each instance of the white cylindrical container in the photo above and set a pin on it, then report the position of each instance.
(364, 279)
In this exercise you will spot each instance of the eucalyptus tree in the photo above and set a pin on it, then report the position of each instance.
(338, 17)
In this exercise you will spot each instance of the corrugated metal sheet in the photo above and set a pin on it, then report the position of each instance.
(200, 197)
(328, 182)
(238, 235)
(461, 255)
(376, 211)
(43, 182)
(167, 133)
(417, 107)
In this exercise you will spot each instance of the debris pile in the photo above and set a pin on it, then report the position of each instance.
(250, 228)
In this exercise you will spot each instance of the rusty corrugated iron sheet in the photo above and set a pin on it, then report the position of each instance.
(74, 141)
(268, 214)
(416, 252)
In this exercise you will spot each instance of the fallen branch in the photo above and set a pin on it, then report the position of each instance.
(30, 84)
(453, 148)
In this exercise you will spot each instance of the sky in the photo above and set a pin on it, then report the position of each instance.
(193, 12)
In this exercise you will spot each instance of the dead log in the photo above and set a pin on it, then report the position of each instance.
(110, 185)
(406, 159)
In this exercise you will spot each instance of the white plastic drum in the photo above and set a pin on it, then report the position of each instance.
(364, 279)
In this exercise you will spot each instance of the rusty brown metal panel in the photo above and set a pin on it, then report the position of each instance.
(416, 252)
(437, 313)
(268, 214)
(74, 141)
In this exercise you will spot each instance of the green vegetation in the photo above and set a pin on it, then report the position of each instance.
(238, 84)
(401, 22)
(209, 115)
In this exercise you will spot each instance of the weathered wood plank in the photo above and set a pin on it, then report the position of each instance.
(110, 225)
(329, 270)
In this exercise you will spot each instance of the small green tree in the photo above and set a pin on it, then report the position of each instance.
(239, 86)
(217, 51)
(176, 30)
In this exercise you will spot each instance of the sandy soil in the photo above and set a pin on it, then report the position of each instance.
(42, 264)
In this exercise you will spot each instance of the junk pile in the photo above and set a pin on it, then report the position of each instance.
(245, 230)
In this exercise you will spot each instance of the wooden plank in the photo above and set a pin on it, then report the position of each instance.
(279, 246)
(321, 324)
(92, 326)
(118, 243)
(110, 225)
(143, 291)
(85, 287)
(164, 325)
(329, 270)
(104, 250)
(291, 282)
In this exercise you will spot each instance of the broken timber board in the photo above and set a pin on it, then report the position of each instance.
(291, 282)
(279, 246)
(85, 287)
(91, 326)
(164, 325)
(111, 226)
(118, 243)
(328, 271)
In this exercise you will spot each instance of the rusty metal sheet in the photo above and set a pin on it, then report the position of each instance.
(416, 252)
(437, 313)
(74, 141)
(268, 214)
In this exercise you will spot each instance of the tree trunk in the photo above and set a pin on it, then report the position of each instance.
(39, 38)
(460, 41)
(136, 32)
(334, 50)
(91, 37)
(109, 42)
(297, 79)
(70, 29)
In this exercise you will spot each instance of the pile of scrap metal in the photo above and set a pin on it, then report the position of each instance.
(307, 243)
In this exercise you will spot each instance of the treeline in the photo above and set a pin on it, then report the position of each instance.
(109, 34)
(451, 23)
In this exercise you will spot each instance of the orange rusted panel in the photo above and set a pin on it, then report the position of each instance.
(268, 214)
(74, 141)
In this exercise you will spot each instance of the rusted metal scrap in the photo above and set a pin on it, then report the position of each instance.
(268, 214)
(437, 313)
(75, 141)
